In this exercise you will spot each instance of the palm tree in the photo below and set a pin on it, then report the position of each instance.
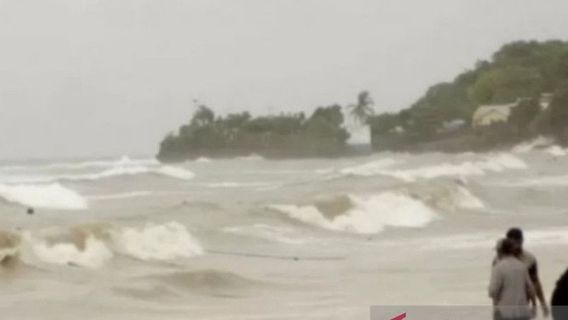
(363, 109)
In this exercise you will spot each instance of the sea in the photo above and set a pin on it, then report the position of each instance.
(251, 238)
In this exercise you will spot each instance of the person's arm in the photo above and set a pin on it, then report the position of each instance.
(531, 294)
(533, 272)
(495, 285)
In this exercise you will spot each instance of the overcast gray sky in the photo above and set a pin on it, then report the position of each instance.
(112, 77)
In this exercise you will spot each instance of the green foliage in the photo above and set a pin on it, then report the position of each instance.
(519, 70)
(363, 109)
(385, 123)
(558, 118)
(284, 135)
(203, 116)
(523, 115)
(507, 84)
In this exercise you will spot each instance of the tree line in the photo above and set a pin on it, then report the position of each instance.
(275, 136)
(518, 72)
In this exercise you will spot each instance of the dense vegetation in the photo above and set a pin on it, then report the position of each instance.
(519, 71)
(240, 134)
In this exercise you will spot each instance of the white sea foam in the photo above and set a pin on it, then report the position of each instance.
(124, 195)
(232, 184)
(542, 181)
(493, 163)
(51, 196)
(93, 246)
(557, 151)
(370, 168)
(367, 215)
(268, 232)
(537, 143)
(466, 199)
(168, 171)
(203, 160)
(94, 254)
(94, 164)
(252, 157)
(118, 169)
(157, 242)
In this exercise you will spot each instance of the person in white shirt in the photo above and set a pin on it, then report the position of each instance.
(510, 286)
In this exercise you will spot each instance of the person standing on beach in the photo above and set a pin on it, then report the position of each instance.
(510, 286)
(516, 235)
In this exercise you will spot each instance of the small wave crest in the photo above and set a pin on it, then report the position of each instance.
(267, 232)
(494, 163)
(557, 151)
(123, 161)
(157, 242)
(538, 143)
(363, 214)
(49, 196)
(168, 171)
(370, 168)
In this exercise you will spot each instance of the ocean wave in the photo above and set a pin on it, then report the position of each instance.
(157, 242)
(268, 232)
(538, 143)
(231, 184)
(94, 253)
(207, 282)
(493, 163)
(542, 181)
(557, 151)
(252, 157)
(363, 214)
(124, 195)
(123, 161)
(9, 244)
(49, 196)
(168, 171)
(92, 246)
(466, 199)
(370, 168)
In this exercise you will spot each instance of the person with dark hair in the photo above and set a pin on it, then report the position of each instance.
(516, 235)
(510, 286)
(559, 299)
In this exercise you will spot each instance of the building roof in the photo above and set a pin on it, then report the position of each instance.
(504, 109)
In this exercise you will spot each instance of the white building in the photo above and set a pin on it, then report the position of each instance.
(491, 114)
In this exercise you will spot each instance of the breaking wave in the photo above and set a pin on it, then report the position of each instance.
(538, 143)
(93, 253)
(495, 163)
(363, 215)
(157, 242)
(91, 246)
(123, 161)
(49, 196)
(168, 171)
(369, 169)
(557, 151)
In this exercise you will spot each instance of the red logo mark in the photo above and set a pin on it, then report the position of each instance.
(400, 317)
